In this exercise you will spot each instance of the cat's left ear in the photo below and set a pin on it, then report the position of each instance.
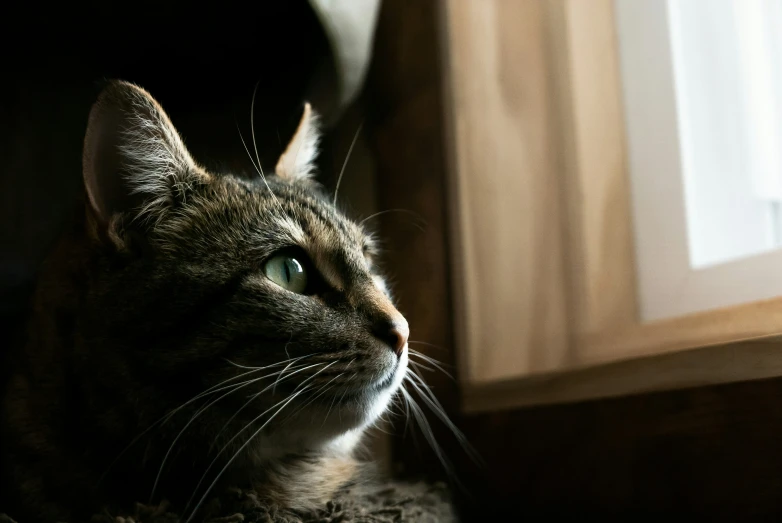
(134, 161)
(297, 162)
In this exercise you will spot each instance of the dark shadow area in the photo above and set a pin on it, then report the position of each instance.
(201, 61)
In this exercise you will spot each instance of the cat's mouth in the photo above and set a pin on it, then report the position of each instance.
(367, 391)
(387, 382)
(375, 388)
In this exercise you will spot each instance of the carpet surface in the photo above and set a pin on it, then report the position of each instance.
(390, 502)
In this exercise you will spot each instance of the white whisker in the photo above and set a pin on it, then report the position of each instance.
(279, 377)
(252, 127)
(211, 390)
(427, 431)
(429, 360)
(268, 366)
(335, 396)
(381, 213)
(192, 419)
(209, 467)
(421, 366)
(331, 405)
(318, 392)
(432, 345)
(202, 410)
(256, 167)
(252, 397)
(430, 399)
(236, 454)
(345, 163)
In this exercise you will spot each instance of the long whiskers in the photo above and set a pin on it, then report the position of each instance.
(416, 383)
(252, 128)
(274, 386)
(318, 393)
(331, 405)
(227, 423)
(236, 454)
(345, 163)
(269, 366)
(211, 390)
(429, 360)
(427, 430)
(192, 419)
(214, 460)
(217, 388)
(381, 213)
(421, 366)
(195, 416)
(257, 166)
(430, 399)
(335, 396)
(252, 160)
(432, 345)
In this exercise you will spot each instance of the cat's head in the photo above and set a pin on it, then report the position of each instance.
(260, 292)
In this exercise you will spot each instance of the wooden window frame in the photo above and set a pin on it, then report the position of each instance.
(546, 302)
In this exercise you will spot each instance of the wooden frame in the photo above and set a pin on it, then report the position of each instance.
(499, 117)
(534, 87)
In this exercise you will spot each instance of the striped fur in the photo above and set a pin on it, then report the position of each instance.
(158, 294)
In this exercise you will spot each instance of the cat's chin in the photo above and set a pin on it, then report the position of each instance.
(336, 428)
(366, 406)
(326, 425)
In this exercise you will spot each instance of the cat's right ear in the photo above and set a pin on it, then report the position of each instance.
(297, 161)
(134, 161)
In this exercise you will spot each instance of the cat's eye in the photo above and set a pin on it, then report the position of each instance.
(287, 272)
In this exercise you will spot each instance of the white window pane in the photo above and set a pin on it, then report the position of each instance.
(726, 57)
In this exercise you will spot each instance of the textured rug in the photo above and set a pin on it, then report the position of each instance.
(386, 503)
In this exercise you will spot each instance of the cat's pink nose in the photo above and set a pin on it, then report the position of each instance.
(400, 331)
(395, 333)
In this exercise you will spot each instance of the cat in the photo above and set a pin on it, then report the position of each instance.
(196, 330)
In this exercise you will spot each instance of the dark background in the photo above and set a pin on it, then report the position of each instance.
(704, 454)
(202, 65)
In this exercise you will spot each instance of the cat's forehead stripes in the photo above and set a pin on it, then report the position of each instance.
(333, 243)
(242, 216)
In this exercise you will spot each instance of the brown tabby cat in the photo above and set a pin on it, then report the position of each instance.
(196, 330)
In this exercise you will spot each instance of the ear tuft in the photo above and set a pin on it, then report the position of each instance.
(134, 161)
(297, 161)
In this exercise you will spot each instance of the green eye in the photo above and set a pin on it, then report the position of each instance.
(287, 272)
